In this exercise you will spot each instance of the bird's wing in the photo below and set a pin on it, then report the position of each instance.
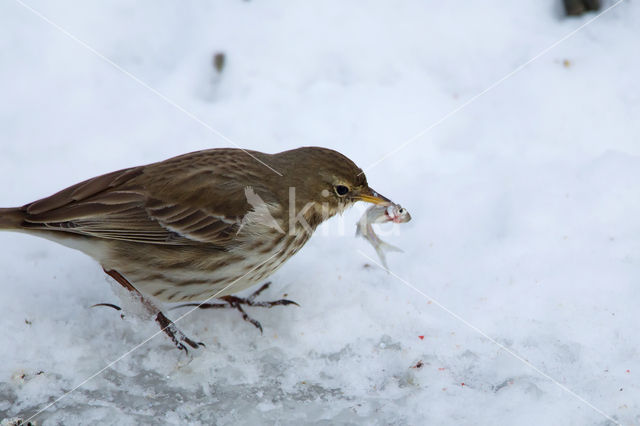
(148, 205)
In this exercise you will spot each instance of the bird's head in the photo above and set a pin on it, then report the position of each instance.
(329, 179)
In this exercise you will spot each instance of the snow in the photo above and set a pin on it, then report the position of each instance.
(525, 207)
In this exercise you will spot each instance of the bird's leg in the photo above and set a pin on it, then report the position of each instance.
(236, 303)
(166, 325)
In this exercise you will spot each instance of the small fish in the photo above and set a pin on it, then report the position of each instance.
(381, 214)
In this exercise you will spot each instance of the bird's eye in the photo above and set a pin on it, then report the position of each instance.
(341, 190)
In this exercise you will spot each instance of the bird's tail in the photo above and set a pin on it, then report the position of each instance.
(11, 218)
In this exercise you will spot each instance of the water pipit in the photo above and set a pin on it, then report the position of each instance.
(199, 226)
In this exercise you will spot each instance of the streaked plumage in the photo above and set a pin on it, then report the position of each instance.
(183, 229)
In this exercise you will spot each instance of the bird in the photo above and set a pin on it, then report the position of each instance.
(200, 226)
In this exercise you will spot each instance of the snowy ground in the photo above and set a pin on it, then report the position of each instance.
(525, 208)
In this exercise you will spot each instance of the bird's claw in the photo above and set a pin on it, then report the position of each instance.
(109, 305)
(177, 337)
(236, 303)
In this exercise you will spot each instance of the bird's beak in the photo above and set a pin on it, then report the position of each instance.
(371, 196)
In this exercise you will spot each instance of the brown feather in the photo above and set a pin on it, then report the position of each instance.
(171, 202)
(11, 218)
(82, 190)
(183, 228)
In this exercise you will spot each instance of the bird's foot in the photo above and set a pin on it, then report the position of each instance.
(177, 337)
(236, 303)
(166, 325)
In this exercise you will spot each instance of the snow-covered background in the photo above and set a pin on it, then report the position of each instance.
(525, 205)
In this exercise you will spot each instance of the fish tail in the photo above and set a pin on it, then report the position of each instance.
(389, 247)
(383, 258)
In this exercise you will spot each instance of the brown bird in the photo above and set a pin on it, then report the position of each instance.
(198, 226)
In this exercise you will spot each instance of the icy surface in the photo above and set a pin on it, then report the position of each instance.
(525, 206)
